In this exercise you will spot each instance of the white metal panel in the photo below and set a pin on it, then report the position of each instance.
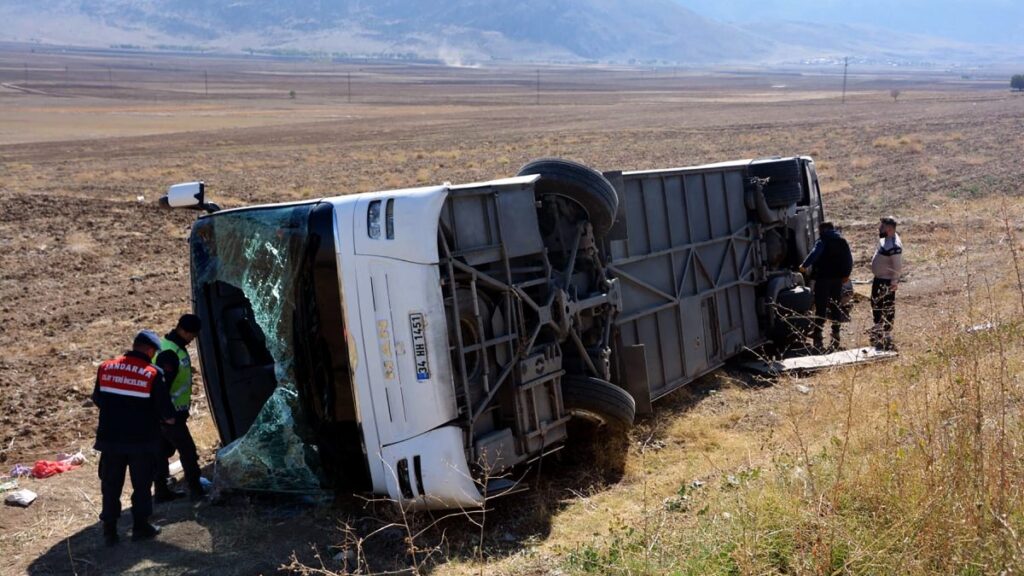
(444, 475)
(390, 291)
(416, 214)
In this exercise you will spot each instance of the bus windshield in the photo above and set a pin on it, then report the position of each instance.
(275, 364)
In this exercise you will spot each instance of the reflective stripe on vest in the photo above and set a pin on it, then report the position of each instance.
(181, 387)
(127, 376)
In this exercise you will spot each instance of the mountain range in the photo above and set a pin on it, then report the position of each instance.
(476, 31)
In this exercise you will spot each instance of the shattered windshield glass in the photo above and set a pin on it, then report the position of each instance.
(246, 268)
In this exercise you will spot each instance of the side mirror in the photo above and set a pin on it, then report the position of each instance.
(188, 195)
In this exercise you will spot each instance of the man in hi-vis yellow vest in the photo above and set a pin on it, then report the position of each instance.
(174, 360)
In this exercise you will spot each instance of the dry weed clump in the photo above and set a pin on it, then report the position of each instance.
(905, 143)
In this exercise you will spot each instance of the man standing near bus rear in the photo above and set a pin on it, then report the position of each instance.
(830, 264)
(886, 266)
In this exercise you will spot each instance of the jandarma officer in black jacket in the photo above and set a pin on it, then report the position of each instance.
(133, 400)
(831, 264)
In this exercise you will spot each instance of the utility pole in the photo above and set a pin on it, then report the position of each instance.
(538, 87)
(846, 65)
(349, 87)
(206, 82)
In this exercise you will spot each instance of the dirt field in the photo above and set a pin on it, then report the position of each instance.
(89, 142)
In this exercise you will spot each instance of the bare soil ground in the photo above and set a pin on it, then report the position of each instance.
(88, 142)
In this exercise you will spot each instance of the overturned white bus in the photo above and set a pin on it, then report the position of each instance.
(416, 343)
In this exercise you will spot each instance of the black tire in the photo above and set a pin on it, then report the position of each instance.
(583, 185)
(600, 399)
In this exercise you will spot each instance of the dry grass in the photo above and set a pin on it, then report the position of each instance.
(906, 143)
(907, 468)
(928, 170)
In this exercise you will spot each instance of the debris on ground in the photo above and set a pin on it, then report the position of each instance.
(175, 468)
(77, 458)
(7, 484)
(21, 498)
(983, 327)
(20, 470)
(46, 468)
(803, 389)
(808, 364)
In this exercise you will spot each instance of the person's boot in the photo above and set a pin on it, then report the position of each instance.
(162, 493)
(834, 345)
(817, 342)
(110, 536)
(887, 343)
(196, 492)
(144, 531)
(875, 336)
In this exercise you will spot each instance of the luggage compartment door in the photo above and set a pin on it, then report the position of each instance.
(686, 257)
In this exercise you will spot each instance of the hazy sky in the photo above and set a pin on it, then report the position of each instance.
(997, 21)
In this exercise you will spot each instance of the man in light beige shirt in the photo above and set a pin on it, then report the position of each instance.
(887, 266)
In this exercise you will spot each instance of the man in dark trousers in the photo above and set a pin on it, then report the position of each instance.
(174, 360)
(887, 267)
(831, 263)
(132, 397)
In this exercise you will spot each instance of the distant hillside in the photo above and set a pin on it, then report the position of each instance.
(974, 21)
(469, 31)
(796, 40)
(607, 30)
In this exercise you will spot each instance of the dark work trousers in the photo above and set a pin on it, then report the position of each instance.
(827, 293)
(177, 437)
(883, 303)
(112, 470)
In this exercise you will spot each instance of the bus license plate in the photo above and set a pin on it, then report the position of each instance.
(419, 345)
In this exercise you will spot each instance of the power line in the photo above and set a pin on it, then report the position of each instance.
(846, 65)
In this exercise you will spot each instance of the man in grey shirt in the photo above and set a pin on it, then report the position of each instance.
(887, 266)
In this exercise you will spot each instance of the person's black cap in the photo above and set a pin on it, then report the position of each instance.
(888, 220)
(190, 323)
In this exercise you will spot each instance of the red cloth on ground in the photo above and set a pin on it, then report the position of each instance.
(47, 468)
